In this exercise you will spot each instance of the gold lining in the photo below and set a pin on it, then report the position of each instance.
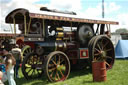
(58, 38)
(60, 34)
(43, 16)
(59, 29)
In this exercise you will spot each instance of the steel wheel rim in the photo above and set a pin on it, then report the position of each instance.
(58, 67)
(27, 49)
(103, 50)
(90, 47)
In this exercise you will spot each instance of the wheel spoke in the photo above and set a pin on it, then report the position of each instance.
(33, 72)
(109, 57)
(105, 44)
(96, 54)
(98, 58)
(99, 46)
(35, 59)
(51, 74)
(38, 72)
(58, 75)
(27, 51)
(61, 73)
(50, 70)
(107, 64)
(55, 75)
(95, 59)
(27, 66)
(109, 49)
(97, 50)
(53, 61)
(61, 61)
(102, 43)
(29, 70)
(51, 65)
(30, 50)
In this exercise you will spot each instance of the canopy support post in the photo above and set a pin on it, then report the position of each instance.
(11, 28)
(25, 25)
(43, 28)
(29, 25)
(14, 25)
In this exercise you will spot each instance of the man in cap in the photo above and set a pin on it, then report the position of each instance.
(17, 54)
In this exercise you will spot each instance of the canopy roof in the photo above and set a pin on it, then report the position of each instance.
(19, 14)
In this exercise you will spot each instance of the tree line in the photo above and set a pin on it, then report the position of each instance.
(121, 30)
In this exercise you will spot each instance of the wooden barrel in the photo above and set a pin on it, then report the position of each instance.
(99, 71)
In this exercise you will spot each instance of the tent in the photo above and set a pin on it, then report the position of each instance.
(121, 49)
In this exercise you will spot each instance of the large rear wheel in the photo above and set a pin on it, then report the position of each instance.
(102, 49)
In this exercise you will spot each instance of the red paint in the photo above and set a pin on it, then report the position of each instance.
(82, 52)
(99, 71)
(72, 54)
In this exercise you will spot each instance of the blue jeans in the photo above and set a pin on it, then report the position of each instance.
(16, 68)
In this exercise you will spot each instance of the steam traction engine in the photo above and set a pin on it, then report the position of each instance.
(54, 42)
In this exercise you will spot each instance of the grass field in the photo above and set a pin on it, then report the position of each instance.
(118, 75)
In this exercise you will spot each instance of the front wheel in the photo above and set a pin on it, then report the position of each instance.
(32, 66)
(57, 66)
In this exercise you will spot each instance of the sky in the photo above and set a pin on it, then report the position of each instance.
(115, 10)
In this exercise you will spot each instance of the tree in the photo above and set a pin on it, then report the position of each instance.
(121, 30)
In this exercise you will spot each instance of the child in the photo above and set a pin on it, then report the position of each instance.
(10, 63)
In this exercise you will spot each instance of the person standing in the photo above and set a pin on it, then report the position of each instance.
(17, 54)
(10, 63)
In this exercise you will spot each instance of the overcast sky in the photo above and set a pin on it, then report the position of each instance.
(116, 10)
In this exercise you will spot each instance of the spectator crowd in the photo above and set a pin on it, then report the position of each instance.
(10, 60)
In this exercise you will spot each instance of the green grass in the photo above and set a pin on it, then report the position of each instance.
(118, 75)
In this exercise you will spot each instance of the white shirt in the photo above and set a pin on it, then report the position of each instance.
(16, 49)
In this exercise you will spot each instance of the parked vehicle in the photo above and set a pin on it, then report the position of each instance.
(53, 42)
